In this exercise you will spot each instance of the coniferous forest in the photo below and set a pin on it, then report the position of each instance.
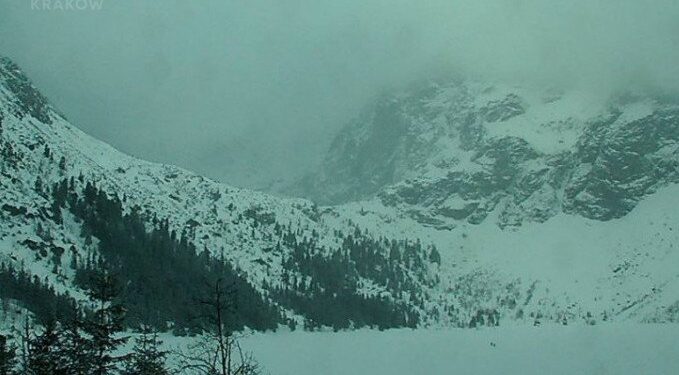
(142, 275)
(164, 277)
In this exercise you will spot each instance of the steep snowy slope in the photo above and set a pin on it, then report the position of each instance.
(525, 190)
(566, 268)
(398, 259)
(269, 241)
(456, 151)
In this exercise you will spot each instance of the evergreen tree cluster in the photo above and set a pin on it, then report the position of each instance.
(327, 291)
(7, 356)
(9, 155)
(36, 296)
(86, 344)
(162, 273)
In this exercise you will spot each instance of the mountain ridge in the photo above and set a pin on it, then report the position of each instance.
(373, 255)
(460, 149)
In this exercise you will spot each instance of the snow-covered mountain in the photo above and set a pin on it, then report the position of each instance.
(452, 152)
(542, 180)
(270, 242)
(460, 205)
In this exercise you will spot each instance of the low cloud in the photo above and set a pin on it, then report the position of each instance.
(238, 89)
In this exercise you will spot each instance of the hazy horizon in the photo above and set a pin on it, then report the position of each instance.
(246, 92)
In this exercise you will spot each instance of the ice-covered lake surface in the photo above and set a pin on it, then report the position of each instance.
(548, 350)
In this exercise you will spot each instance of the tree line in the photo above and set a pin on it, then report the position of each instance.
(162, 272)
(37, 296)
(325, 284)
(92, 342)
(87, 343)
(163, 275)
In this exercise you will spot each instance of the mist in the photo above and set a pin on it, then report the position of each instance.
(247, 92)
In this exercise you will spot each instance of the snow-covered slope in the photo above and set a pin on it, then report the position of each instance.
(456, 151)
(168, 191)
(566, 268)
(254, 232)
(446, 177)
(529, 190)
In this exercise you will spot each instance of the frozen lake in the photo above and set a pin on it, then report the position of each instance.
(603, 349)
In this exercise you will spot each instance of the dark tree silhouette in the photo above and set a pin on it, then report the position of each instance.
(147, 358)
(106, 323)
(219, 352)
(45, 353)
(7, 356)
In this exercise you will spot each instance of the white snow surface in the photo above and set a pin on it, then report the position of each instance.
(607, 349)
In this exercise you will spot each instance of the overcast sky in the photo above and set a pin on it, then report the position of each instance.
(238, 89)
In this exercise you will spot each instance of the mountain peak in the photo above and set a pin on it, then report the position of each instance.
(25, 99)
(526, 152)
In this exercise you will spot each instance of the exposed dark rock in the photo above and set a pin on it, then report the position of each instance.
(614, 164)
(14, 211)
(29, 100)
(503, 110)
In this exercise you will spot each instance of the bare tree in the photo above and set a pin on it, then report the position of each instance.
(218, 352)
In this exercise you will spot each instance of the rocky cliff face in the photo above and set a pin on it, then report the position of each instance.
(457, 152)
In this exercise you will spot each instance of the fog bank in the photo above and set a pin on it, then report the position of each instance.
(246, 91)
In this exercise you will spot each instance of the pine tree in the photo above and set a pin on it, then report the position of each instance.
(45, 355)
(59, 192)
(434, 256)
(147, 358)
(38, 186)
(77, 349)
(105, 324)
(7, 356)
